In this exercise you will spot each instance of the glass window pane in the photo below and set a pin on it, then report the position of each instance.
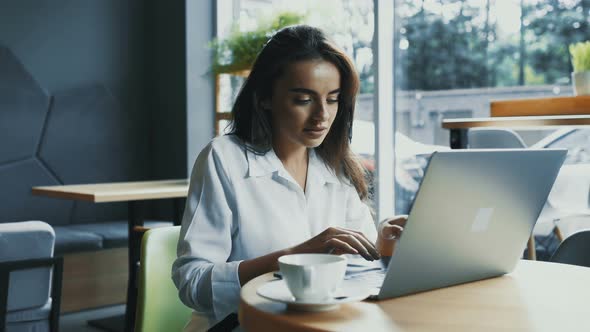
(350, 24)
(454, 56)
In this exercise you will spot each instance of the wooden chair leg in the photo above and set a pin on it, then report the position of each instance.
(558, 233)
(532, 251)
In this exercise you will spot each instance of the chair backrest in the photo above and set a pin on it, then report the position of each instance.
(494, 138)
(574, 250)
(22, 241)
(158, 307)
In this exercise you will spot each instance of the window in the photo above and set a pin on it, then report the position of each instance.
(577, 141)
(350, 24)
(453, 56)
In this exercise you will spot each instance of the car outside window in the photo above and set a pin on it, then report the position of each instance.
(577, 142)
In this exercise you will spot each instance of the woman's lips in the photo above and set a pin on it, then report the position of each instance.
(315, 131)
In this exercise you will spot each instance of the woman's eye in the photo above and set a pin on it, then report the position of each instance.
(333, 101)
(302, 101)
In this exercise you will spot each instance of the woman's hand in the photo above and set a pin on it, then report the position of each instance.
(333, 240)
(389, 230)
(336, 240)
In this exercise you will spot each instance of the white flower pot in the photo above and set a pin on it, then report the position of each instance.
(581, 82)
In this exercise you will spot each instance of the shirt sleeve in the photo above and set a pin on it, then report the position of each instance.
(206, 281)
(358, 215)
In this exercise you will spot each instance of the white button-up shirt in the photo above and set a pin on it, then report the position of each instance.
(241, 206)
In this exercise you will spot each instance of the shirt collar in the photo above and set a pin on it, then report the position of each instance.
(317, 167)
(262, 164)
(268, 163)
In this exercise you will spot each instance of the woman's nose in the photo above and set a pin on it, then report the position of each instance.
(321, 112)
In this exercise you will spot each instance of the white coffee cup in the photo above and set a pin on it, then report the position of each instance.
(312, 277)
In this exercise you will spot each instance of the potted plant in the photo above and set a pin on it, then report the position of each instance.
(580, 54)
(238, 52)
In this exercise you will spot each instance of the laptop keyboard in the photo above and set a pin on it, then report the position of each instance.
(371, 279)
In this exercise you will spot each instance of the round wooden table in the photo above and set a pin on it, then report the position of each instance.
(536, 296)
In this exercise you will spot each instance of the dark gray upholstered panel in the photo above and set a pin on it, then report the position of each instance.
(23, 105)
(16, 201)
(88, 139)
(88, 212)
(116, 75)
(114, 233)
(69, 240)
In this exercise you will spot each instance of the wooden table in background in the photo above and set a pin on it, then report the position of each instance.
(536, 296)
(523, 113)
(133, 193)
(459, 127)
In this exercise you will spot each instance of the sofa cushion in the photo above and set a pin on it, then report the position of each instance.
(30, 326)
(114, 233)
(29, 314)
(68, 240)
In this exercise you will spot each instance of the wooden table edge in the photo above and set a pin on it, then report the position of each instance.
(248, 315)
(83, 192)
(257, 314)
(37, 191)
(528, 121)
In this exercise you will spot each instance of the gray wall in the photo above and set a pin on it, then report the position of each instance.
(90, 91)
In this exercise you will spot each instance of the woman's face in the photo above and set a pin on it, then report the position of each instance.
(304, 104)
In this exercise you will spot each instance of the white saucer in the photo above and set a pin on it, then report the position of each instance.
(277, 290)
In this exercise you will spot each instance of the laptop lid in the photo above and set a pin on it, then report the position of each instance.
(471, 217)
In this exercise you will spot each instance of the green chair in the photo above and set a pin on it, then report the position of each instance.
(158, 305)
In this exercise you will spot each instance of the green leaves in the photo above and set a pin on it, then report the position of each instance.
(580, 53)
(240, 49)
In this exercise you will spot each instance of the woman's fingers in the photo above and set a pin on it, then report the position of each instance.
(337, 246)
(393, 228)
(344, 241)
(354, 241)
(367, 244)
(390, 232)
(399, 220)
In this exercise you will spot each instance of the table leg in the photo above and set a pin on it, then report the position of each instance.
(134, 219)
(458, 138)
(127, 323)
(178, 210)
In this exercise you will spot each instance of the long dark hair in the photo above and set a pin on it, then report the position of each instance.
(252, 123)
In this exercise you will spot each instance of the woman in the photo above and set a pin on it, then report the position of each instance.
(284, 181)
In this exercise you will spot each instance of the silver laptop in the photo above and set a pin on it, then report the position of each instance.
(470, 220)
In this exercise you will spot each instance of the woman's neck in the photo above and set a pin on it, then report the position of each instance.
(293, 156)
(295, 160)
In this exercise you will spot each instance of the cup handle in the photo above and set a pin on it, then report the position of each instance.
(308, 273)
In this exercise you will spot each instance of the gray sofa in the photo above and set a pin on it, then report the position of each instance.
(95, 236)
